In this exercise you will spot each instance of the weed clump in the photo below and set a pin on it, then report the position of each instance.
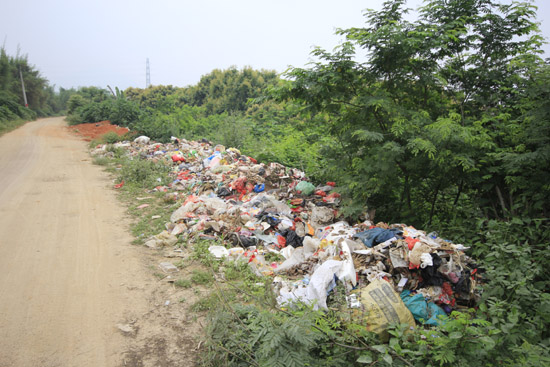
(144, 173)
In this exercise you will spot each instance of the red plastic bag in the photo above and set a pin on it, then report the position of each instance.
(177, 158)
(411, 242)
(191, 198)
(331, 197)
(184, 175)
(239, 185)
(281, 240)
(118, 186)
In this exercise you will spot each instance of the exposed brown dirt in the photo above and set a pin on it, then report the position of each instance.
(74, 291)
(91, 131)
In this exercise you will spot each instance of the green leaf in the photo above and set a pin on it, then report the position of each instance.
(455, 335)
(365, 358)
(488, 342)
(380, 348)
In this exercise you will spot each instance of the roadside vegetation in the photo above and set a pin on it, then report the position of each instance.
(42, 98)
(445, 126)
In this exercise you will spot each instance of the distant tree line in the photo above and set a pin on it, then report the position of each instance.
(42, 98)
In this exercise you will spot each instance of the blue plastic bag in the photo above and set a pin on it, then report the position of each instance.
(422, 311)
(259, 188)
(376, 235)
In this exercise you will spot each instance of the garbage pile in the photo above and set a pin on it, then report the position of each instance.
(259, 209)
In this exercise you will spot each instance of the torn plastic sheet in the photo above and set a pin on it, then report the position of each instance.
(321, 283)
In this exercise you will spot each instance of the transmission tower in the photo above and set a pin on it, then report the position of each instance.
(147, 75)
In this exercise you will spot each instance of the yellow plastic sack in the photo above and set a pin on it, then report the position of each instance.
(382, 306)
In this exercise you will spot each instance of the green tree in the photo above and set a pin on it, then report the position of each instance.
(416, 124)
(41, 97)
(229, 90)
(74, 102)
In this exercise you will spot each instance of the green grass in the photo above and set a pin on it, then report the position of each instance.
(201, 277)
(117, 151)
(101, 161)
(7, 126)
(159, 276)
(209, 302)
(144, 173)
(111, 137)
(201, 253)
(144, 226)
(183, 283)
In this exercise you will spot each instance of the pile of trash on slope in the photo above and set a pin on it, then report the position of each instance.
(389, 270)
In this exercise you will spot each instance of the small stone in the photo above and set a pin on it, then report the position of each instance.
(125, 328)
(168, 267)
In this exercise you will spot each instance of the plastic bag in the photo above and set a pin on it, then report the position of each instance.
(190, 205)
(422, 311)
(311, 245)
(218, 251)
(382, 307)
(321, 216)
(297, 257)
(322, 281)
(306, 188)
(347, 272)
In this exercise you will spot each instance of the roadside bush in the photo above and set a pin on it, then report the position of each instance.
(95, 112)
(11, 109)
(74, 119)
(111, 137)
(74, 103)
(157, 128)
(516, 299)
(124, 112)
(144, 173)
(6, 114)
(231, 131)
(186, 121)
(119, 111)
(260, 335)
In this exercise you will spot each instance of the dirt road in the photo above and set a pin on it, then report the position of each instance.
(68, 273)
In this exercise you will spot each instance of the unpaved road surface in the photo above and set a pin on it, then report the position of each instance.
(69, 276)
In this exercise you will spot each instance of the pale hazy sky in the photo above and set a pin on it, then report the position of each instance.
(106, 42)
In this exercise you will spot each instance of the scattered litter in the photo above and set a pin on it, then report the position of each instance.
(218, 251)
(142, 140)
(253, 210)
(382, 306)
(163, 239)
(168, 267)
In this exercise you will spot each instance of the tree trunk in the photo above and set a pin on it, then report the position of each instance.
(433, 202)
(458, 193)
(501, 200)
